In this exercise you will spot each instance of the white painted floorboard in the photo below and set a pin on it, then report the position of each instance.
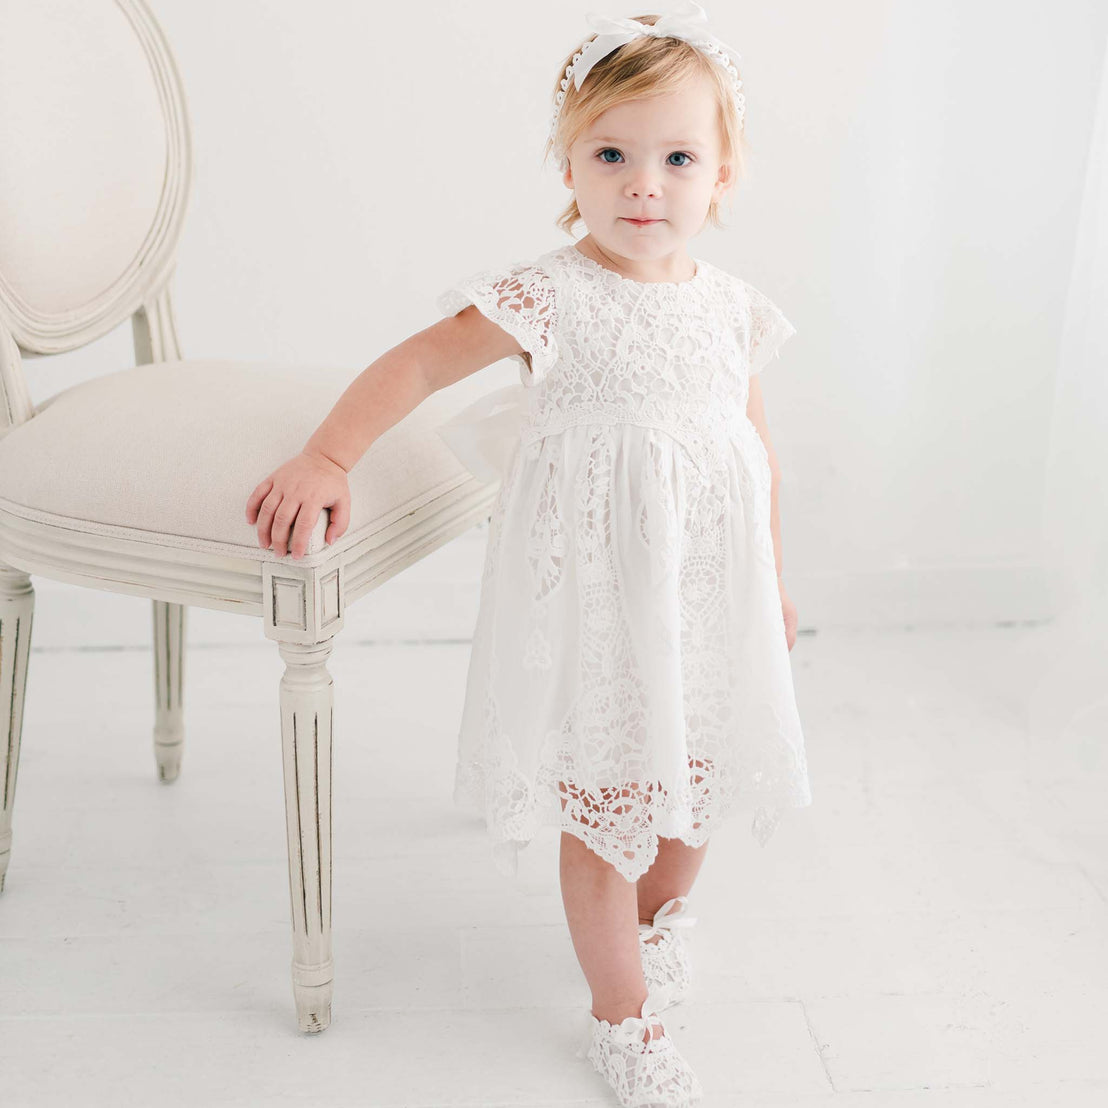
(932, 932)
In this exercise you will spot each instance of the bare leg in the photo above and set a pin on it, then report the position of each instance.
(672, 874)
(600, 908)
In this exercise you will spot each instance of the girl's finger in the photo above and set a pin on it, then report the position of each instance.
(256, 497)
(265, 517)
(340, 518)
(282, 524)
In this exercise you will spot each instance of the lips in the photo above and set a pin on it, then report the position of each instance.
(641, 222)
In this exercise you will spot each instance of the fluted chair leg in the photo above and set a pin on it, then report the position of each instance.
(17, 609)
(307, 701)
(169, 688)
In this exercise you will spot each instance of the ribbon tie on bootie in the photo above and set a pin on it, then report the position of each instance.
(629, 1031)
(484, 434)
(663, 921)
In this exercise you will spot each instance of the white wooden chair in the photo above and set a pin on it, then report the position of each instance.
(136, 482)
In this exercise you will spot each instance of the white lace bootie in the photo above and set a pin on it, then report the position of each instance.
(645, 1073)
(665, 962)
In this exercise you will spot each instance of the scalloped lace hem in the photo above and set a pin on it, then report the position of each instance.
(628, 842)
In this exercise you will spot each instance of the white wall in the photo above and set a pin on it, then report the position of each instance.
(912, 205)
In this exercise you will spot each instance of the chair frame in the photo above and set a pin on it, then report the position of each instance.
(301, 603)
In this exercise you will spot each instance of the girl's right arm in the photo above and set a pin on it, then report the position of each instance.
(287, 504)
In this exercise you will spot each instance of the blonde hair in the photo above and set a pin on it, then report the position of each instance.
(646, 66)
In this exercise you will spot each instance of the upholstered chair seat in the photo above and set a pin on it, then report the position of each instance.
(168, 452)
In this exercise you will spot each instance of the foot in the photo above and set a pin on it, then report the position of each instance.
(665, 959)
(640, 1061)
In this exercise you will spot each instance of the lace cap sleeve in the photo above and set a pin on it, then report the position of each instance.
(766, 327)
(520, 300)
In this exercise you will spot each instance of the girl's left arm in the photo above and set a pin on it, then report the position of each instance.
(755, 411)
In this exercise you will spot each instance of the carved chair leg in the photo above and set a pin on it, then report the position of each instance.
(169, 687)
(307, 701)
(17, 608)
(303, 611)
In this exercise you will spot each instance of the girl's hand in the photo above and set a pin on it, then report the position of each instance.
(788, 610)
(291, 498)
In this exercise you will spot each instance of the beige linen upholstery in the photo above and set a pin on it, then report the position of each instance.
(169, 452)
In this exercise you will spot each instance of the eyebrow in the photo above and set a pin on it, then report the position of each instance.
(666, 142)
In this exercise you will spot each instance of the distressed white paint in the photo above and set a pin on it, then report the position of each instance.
(301, 604)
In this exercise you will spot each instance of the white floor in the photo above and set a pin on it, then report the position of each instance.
(933, 931)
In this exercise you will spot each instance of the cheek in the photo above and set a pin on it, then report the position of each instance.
(593, 181)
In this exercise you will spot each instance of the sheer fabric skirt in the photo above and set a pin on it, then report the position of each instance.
(629, 677)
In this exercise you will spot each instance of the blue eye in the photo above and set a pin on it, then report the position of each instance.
(612, 150)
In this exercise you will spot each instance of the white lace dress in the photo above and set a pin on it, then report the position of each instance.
(629, 676)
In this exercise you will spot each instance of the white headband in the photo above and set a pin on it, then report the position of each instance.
(688, 21)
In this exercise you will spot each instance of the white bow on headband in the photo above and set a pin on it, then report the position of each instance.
(688, 21)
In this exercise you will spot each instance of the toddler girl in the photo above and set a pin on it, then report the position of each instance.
(629, 681)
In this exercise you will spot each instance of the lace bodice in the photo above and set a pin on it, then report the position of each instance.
(598, 347)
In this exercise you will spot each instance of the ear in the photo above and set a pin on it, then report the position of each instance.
(724, 181)
(567, 177)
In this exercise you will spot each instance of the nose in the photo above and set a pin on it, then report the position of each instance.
(641, 185)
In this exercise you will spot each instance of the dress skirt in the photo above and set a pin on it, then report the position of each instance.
(630, 676)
